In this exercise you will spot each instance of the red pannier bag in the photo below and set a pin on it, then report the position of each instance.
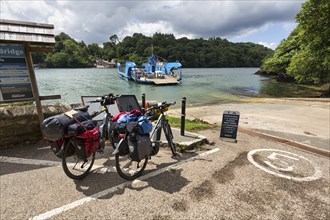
(88, 141)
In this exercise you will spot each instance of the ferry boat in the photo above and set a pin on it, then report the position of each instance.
(153, 71)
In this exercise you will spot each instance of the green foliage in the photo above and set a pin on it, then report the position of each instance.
(95, 50)
(214, 52)
(71, 54)
(305, 54)
(303, 67)
(279, 61)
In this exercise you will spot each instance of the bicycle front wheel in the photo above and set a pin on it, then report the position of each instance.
(74, 165)
(169, 136)
(129, 169)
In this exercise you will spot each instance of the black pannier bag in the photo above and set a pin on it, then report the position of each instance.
(55, 127)
(79, 128)
(123, 148)
(57, 148)
(119, 128)
(139, 146)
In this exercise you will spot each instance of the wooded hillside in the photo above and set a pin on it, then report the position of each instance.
(213, 52)
(304, 57)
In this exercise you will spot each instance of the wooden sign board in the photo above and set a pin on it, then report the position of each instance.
(15, 82)
(229, 126)
(17, 78)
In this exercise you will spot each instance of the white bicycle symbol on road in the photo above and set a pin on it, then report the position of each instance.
(281, 164)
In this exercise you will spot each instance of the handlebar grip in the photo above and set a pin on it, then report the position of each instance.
(105, 100)
(161, 105)
(98, 99)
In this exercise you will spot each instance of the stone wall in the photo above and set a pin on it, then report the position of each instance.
(20, 124)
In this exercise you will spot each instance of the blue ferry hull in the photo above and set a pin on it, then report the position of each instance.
(153, 72)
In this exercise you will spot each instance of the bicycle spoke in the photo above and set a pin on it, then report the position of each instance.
(128, 164)
(129, 169)
(75, 167)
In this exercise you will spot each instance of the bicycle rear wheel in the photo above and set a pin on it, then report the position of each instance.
(169, 136)
(74, 165)
(129, 169)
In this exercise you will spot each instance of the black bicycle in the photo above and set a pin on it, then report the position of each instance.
(161, 123)
(134, 150)
(76, 164)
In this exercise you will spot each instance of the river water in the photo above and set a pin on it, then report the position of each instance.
(200, 86)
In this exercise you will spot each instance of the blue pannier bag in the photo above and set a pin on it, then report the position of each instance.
(127, 118)
(145, 125)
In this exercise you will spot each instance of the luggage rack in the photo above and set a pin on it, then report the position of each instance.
(124, 103)
(127, 103)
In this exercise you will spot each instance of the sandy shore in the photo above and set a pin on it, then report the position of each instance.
(302, 120)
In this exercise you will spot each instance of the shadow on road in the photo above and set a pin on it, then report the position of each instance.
(170, 180)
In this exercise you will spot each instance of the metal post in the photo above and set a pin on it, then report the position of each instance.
(183, 115)
(143, 103)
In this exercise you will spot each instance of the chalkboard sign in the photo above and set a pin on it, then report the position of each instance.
(229, 126)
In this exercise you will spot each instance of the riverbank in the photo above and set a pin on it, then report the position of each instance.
(304, 120)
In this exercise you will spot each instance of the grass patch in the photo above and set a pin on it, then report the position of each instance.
(190, 125)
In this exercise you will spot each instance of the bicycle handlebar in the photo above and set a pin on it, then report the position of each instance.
(161, 105)
(105, 100)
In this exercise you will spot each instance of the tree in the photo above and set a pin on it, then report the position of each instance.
(314, 55)
(95, 50)
(69, 54)
(281, 58)
(305, 54)
(114, 39)
(214, 52)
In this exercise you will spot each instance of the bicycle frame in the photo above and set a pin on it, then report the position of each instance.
(104, 126)
(161, 117)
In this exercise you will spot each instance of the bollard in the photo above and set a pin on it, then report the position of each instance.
(143, 103)
(183, 115)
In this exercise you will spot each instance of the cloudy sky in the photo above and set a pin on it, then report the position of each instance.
(265, 22)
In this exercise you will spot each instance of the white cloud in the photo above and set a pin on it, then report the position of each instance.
(95, 21)
(149, 28)
(269, 45)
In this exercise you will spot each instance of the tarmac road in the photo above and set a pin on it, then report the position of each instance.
(254, 178)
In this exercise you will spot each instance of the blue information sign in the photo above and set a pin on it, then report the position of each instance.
(15, 83)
